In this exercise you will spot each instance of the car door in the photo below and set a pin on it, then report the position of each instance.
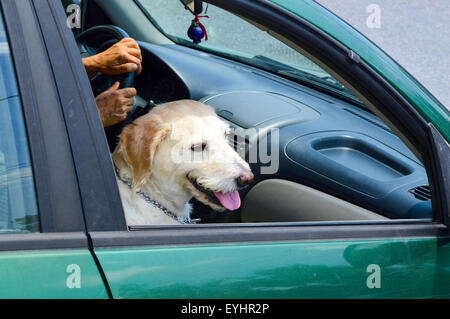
(44, 251)
(367, 259)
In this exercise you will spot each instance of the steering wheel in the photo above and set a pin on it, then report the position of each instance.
(97, 40)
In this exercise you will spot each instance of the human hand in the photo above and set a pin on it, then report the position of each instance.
(123, 57)
(114, 104)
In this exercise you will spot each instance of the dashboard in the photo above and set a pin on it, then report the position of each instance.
(325, 144)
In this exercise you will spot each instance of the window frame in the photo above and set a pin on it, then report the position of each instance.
(117, 235)
(61, 218)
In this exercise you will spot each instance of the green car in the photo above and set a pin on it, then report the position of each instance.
(351, 201)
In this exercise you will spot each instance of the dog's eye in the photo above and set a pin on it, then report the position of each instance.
(198, 147)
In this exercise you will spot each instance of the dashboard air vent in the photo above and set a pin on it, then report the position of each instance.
(421, 192)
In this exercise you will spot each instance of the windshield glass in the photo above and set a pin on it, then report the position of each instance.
(233, 37)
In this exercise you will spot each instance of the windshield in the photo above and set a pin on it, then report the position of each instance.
(233, 37)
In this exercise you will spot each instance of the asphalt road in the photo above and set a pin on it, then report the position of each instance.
(416, 33)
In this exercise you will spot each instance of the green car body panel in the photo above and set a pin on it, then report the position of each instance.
(50, 274)
(390, 268)
(399, 78)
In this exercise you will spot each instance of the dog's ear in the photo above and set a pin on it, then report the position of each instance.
(140, 141)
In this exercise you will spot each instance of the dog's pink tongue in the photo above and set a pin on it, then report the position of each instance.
(230, 201)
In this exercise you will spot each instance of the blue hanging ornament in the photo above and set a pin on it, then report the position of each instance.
(197, 30)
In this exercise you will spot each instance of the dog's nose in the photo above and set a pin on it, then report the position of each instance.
(245, 179)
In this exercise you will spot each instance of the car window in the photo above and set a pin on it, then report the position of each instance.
(18, 207)
(342, 164)
(233, 37)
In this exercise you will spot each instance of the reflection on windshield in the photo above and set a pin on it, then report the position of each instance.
(233, 37)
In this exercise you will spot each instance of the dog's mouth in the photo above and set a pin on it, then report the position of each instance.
(217, 199)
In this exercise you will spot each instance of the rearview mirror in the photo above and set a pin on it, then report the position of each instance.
(195, 6)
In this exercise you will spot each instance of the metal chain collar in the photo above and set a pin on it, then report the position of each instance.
(156, 204)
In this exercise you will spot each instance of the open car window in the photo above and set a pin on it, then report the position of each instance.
(325, 158)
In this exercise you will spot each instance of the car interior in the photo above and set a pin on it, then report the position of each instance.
(335, 159)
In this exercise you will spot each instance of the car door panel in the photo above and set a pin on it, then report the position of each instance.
(384, 268)
(50, 274)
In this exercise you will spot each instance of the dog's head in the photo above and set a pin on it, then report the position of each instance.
(185, 144)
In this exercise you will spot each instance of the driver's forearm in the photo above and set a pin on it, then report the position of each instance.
(90, 66)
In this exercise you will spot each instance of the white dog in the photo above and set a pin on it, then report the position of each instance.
(177, 151)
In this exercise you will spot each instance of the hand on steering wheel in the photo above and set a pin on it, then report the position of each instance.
(112, 53)
(119, 53)
(114, 104)
(122, 57)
